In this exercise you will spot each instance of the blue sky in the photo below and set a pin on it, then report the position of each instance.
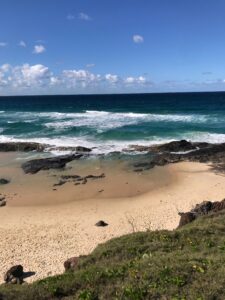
(106, 46)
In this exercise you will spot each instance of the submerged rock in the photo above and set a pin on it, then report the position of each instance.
(58, 162)
(14, 275)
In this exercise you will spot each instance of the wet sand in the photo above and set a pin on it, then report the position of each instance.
(40, 227)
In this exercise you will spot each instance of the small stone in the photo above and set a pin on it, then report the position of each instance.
(4, 181)
(101, 224)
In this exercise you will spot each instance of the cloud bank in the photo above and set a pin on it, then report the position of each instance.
(39, 79)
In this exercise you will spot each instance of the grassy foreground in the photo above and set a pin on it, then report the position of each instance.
(188, 263)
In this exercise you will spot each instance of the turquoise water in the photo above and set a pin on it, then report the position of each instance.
(112, 122)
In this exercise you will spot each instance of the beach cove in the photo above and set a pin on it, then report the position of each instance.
(46, 222)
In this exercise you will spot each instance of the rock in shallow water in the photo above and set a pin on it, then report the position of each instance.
(58, 162)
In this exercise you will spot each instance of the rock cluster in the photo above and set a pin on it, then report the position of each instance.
(58, 162)
(77, 179)
(21, 147)
(201, 209)
(14, 275)
(174, 152)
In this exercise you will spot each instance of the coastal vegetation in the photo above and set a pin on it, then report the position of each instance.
(187, 263)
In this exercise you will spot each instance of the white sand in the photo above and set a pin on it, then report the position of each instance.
(42, 237)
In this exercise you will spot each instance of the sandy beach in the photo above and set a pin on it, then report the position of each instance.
(42, 225)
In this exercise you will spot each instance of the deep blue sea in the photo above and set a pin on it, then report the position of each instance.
(112, 122)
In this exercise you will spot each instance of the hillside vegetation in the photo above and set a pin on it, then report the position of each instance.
(188, 263)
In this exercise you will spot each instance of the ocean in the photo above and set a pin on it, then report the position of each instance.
(113, 122)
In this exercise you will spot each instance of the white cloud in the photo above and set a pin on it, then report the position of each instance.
(112, 78)
(138, 39)
(132, 80)
(38, 79)
(3, 44)
(38, 49)
(30, 76)
(22, 44)
(84, 17)
(5, 68)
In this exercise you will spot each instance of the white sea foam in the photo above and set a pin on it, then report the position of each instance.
(109, 146)
(102, 120)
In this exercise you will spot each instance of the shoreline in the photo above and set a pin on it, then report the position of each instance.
(41, 237)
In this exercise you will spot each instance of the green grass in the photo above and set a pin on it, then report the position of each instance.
(188, 263)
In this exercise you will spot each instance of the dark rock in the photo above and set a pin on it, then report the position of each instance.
(95, 177)
(80, 149)
(58, 162)
(2, 202)
(66, 177)
(61, 182)
(4, 181)
(71, 264)
(186, 218)
(201, 209)
(101, 224)
(21, 147)
(175, 146)
(14, 275)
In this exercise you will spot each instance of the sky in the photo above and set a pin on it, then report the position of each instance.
(111, 46)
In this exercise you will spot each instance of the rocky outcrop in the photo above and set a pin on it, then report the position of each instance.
(29, 146)
(71, 264)
(21, 147)
(58, 162)
(201, 209)
(14, 275)
(175, 146)
(77, 179)
(166, 154)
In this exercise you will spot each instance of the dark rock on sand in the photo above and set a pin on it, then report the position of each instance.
(71, 264)
(95, 177)
(60, 183)
(186, 218)
(201, 209)
(2, 202)
(58, 162)
(101, 224)
(14, 275)
(21, 147)
(4, 181)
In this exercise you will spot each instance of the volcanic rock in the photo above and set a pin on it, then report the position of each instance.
(58, 162)
(101, 224)
(14, 275)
